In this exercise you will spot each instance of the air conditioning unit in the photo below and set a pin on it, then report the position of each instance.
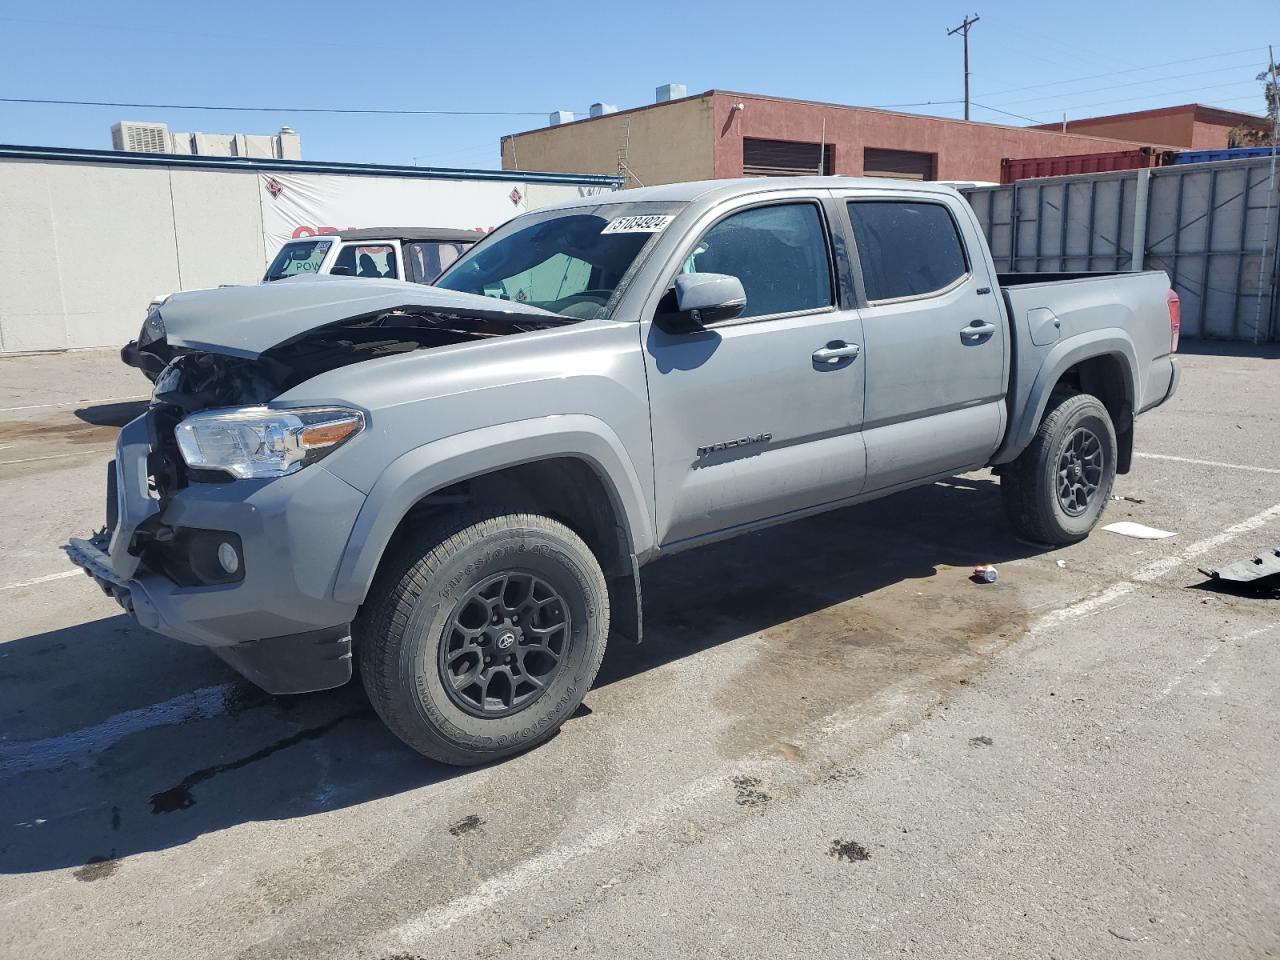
(134, 137)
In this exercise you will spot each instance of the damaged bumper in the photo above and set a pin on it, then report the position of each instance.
(276, 622)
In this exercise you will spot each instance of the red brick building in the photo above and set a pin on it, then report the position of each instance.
(726, 134)
(1192, 126)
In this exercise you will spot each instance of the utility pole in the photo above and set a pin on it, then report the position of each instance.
(963, 30)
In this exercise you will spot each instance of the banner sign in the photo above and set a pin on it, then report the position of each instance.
(308, 204)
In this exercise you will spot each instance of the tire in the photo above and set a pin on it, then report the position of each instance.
(1031, 486)
(436, 599)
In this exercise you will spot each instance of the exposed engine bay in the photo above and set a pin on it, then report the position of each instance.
(194, 380)
(197, 380)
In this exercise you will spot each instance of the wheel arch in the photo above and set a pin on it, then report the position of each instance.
(575, 467)
(1104, 364)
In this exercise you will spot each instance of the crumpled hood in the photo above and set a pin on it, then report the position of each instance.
(247, 321)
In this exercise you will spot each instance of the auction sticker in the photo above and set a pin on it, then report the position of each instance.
(649, 224)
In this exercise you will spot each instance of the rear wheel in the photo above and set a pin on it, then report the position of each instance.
(1056, 490)
(482, 635)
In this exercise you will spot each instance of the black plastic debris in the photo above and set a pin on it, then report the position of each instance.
(1246, 571)
(1256, 572)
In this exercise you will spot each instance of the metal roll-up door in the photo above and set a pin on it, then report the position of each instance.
(783, 158)
(902, 164)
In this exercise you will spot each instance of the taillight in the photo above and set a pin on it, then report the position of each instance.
(1175, 320)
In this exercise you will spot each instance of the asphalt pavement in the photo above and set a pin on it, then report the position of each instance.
(832, 742)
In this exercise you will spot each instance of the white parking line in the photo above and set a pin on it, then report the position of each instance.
(81, 747)
(1154, 571)
(45, 579)
(1207, 463)
(73, 403)
(1210, 650)
(56, 456)
(1158, 568)
(537, 869)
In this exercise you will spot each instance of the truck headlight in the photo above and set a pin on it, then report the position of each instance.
(152, 328)
(262, 442)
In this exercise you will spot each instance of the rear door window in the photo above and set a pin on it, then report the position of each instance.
(430, 258)
(906, 248)
(779, 253)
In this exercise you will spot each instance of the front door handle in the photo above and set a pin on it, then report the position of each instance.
(977, 330)
(836, 351)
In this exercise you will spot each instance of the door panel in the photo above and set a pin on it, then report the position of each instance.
(789, 422)
(747, 422)
(935, 359)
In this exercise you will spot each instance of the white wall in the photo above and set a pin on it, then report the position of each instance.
(85, 246)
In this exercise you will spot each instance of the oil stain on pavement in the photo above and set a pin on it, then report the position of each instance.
(848, 851)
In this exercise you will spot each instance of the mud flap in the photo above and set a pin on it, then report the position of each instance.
(299, 663)
(626, 606)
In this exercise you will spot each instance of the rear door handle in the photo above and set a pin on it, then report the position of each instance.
(836, 351)
(977, 330)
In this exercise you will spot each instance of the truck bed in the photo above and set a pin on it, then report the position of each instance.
(1055, 316)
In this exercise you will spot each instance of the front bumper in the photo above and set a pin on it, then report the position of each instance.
(278, 625)
(132, 355)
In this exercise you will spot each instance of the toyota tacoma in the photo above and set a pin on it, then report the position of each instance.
(458, 484)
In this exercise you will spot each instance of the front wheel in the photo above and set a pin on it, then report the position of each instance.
(483, 634)
(1056, 489)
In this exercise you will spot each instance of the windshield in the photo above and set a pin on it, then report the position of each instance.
(570, 262)
(300, 256)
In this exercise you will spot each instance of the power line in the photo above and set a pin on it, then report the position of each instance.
(1115, 73)
(1117, 86)
(924, 103)
(1147, 96)
(228, 109)
(1005, 112)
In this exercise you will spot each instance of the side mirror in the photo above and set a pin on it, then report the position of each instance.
(710, 297)
(340, 272)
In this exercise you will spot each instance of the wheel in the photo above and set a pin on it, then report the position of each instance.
(1055, 491)
(483, 634)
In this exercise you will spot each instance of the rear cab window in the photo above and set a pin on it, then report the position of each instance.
(907, 248)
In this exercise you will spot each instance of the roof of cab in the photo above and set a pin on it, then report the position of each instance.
(692, 190)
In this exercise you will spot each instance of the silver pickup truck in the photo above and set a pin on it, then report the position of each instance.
(458, 484)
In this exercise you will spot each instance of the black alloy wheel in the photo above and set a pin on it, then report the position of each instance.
(505, 642)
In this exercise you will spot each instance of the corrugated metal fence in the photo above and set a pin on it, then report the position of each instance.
(1213, 227)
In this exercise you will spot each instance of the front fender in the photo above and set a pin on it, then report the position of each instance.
(447, 461)
(1062, 357)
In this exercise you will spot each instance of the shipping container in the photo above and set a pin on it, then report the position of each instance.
(1235, 153)
(1028, 167)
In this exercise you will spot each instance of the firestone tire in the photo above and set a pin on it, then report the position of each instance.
(426, 607)
(1056, 490)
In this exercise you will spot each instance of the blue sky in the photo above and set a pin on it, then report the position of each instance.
(1027, 58)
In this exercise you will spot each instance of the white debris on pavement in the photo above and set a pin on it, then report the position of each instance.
(1127, 528)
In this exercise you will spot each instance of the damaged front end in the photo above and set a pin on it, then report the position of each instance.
(216, 533)
(198, 379)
